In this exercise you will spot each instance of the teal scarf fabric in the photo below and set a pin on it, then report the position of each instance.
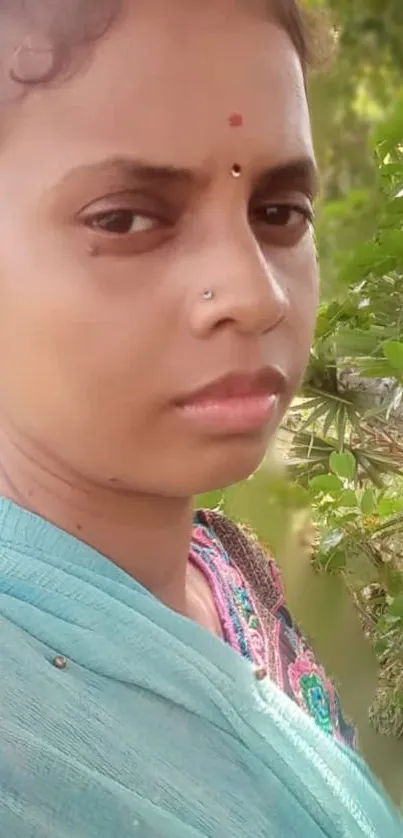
(154, 728)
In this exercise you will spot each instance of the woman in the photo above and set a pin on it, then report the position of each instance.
(158, 288)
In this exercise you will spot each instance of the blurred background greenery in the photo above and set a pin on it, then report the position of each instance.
(328, 501)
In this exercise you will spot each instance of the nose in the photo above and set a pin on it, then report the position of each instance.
(237, 287)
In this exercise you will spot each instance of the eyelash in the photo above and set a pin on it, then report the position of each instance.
(306, 213)
(94, 222)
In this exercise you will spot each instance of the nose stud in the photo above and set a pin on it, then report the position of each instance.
(32, 63)
(207, 295)
(236, 170)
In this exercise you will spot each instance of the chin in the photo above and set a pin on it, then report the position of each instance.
(228, 464)
(199, 466)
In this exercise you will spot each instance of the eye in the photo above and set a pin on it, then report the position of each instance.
(284, 215)
(121, 222)
(282, 224)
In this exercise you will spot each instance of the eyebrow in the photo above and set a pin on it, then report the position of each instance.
(134, 170)
(300, 173)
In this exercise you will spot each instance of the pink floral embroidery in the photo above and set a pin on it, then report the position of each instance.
(237, 610)
(281, 650)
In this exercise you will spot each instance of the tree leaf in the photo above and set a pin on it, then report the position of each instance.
(326, 483)
(313, 417)
(348, 499)
(396, 608)
(343, 465)
(368, 502)
(341, 424)
(389, 506)
(393, 351)
(333, 561)
(331, 540)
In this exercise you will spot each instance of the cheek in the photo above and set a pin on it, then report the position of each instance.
(303, 292)
(305, 307)
(65, 341)
(304, 284)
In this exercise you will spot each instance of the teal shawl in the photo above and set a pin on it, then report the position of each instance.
(154, 728)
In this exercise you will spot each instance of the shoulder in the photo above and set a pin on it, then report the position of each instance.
(292, 663)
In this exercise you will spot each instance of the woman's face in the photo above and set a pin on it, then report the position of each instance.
(119, 210)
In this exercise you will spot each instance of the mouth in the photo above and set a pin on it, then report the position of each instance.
(237, 403)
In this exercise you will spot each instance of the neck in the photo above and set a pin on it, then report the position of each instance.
(144, 535)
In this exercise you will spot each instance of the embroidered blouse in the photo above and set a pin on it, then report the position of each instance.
(274, 647)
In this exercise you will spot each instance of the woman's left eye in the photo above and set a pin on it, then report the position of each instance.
(284, 215)
(121, 222)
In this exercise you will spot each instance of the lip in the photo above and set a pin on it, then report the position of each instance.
(235, 403)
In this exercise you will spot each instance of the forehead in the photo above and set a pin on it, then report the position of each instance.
(162, 83)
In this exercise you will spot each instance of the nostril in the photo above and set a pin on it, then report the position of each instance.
(224, 323)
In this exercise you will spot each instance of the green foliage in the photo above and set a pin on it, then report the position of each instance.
(344, 465)
(347, 101)
(361, 334)
(347, 427)
(393, 351)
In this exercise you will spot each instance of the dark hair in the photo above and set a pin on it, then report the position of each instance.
(303, 27)
(43, 39)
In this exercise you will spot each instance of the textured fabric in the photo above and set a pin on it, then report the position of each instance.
(267, 637)
(154, 727)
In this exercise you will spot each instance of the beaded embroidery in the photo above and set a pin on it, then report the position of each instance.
(237, 611)
(284, 653)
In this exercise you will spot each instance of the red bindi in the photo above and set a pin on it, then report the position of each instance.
(235, 120)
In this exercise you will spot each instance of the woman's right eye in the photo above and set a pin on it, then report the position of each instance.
(121, 222)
